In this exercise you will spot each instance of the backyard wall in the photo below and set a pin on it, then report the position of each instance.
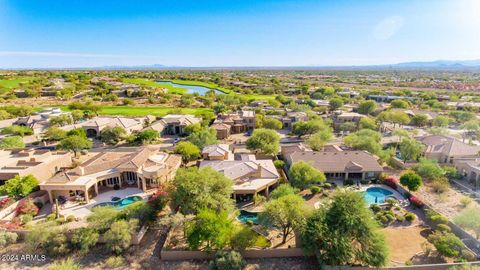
(171, 255)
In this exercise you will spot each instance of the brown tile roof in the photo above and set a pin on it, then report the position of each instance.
(344, 161)
(448, 146)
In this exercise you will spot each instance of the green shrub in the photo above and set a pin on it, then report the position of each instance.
(327, 185)
(279, 164)
(68, 264)
(7, 238)
(51, 217)
(375, 207)
(231, 260)
(57, 244)
(389, 217)
(115, 261)
(84, 238)
(315, 189)
(71, 218)
(118, 237)
(400, 218)
(443, 228)
(465, 201)
(391, 201)
(410, 217)
(138, 210)
(438, 220)
(26, 218)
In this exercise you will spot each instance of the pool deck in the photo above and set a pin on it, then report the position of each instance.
(82, 211)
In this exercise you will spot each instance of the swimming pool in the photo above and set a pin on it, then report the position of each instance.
(121, 203)
(376, 195)
(246, 216)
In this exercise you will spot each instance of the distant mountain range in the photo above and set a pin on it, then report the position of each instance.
(438, 64)
(441, 64)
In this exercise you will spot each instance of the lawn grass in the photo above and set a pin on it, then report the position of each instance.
(143, 111)
(11, 84)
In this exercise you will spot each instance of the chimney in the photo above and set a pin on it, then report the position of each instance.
(80, 170)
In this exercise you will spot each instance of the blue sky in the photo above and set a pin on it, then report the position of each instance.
(89, 33)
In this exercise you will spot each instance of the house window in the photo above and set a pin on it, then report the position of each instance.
(113, 181)
(370, 174)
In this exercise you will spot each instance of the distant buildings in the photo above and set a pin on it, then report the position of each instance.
(383, 98)
(446, 149)
(232, 123)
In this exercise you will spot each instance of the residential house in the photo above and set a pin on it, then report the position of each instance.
(174, 124)
(446, 149)
(341, 117)
(290, 118)
(342, 165)
(217, 152)
(40, 121)
(250, 175)
(237, 123)
(94, 126)
(145, 168)
(42, 164)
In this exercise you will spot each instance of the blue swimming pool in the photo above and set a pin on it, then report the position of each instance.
(376, 195)
(246, 216)
(121, 203)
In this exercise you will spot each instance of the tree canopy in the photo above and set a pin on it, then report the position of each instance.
(411, 180)
(75, 143)
(19, 186)
(113, 135)
(266, 141)
(272, 123)
(193, 189)
(303, 175)
(367, 107)
(344, 232)
(411, 149)
(209, 230)
(203, 137)
(188, 151)
(310, 127)
(12, 142)
(287, 213)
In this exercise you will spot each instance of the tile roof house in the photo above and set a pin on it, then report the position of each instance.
(250, 176)
(42, 164)
(340, 164)
(94, 126)
(174, 124)
(341, 117)
(445, 149)
(232, 123)
(217, 152)
(145, 168)
(290, 118)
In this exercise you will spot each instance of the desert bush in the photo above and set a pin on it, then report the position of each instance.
(416, 201)
(84, 238)
(27, 207)
(115, 261)
(68, 264)
(410, 217)
(443, 228)
(375, 207)
(71, 218)
(231, 260)
(26, 218)
(315, 189)
(391, 182)
(440, 185)
(57, 244)
(400, 218)
(465, 201)
(7, 238)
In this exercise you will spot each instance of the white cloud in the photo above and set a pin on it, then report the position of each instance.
(387, 27)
